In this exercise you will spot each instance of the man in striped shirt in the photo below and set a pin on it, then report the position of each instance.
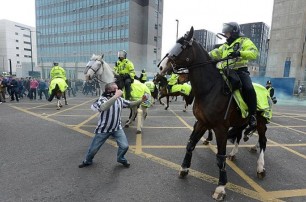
(110, 105)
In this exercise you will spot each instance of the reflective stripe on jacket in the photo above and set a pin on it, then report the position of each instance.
(248, 51)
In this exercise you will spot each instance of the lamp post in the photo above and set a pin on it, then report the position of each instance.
(177, 26)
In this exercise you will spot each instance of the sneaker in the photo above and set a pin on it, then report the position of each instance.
(126, 164)
(83, 164)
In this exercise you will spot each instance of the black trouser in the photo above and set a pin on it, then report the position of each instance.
(127, 86)
(248, 91)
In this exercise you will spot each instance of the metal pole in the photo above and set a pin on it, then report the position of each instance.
(31, 51)
(177, 26)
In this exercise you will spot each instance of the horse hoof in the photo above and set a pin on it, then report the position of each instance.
(138, 132)
(66, 103)
(183, 173)
(206, 142)
(253, 149)
(231, 158)
(166, 108)
(58, 108)
(261, 175)
(184, 110)
(219, 196)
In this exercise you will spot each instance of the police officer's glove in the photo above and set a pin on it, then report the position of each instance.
(234, 54)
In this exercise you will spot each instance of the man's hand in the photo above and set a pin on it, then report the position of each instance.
(234, 54)
(144, 98)
(118, 93)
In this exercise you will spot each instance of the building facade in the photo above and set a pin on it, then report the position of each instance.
(71, 31)
(287, 56)
(206, 38)
(17, 49)
(258, 32)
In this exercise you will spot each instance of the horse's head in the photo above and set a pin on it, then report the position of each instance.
(181, 56)
(98, 68)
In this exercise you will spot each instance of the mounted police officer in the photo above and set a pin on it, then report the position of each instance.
(143, 76)
(125, 69)
(57, 72)
(240, 50)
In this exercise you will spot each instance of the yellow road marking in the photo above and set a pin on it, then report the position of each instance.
(138, 147)
(241, 190)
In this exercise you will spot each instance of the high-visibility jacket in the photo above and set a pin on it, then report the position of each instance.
(125, 67)
(144, 76)
(58, 72)
(173, 79)
(248, 51)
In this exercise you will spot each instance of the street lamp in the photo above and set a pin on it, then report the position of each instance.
(177, 26)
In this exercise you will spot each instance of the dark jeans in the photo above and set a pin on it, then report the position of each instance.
(248, 91)
(14, 93)
(32, 93)
(45, 92)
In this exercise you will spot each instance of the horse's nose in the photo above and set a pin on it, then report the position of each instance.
(160, 68)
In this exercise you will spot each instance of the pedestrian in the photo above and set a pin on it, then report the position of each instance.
(239, 50)
(110, 104)
(301, 91)
(271, 91)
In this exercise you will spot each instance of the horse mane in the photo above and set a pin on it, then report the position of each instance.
(96, 57)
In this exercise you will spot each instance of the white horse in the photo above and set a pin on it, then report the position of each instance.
(99, 70)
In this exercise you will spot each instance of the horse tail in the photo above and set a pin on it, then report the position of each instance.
(189, 98)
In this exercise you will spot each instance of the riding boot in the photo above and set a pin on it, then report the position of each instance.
(251, 128)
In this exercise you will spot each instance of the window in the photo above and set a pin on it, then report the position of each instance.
(17, 48)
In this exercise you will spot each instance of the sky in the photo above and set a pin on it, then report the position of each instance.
(201, 14)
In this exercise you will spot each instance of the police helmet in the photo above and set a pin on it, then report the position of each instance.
(233, 28)
(55, 63)
(269, 82)
(122, 54)
(143, 71)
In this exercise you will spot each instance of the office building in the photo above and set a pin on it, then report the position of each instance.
(287, 56)
(17, 49)
(258, 32)
(206, 38)
(71, 31)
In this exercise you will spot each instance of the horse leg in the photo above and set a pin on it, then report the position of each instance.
(254, 148)
(209, 138)
(132, 116)
(219, 193)
(197, 133)
(167, 102)
(261, 129)
(142, 113)
(185, 108)
(66, 103)
(234, 135)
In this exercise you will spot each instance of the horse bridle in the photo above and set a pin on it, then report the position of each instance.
(175, 52)
(95, 77)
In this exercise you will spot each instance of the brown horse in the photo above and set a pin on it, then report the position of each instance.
(212, 107)
(163, 83)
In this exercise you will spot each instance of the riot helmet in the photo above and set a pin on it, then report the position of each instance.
(233, 28)
(143, 71)
(122, 54)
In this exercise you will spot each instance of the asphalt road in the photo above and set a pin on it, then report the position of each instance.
(41, 148)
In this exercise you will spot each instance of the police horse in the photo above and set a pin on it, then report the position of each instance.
(99, 70)
(163, 91)
(212, 107)
(57, 88)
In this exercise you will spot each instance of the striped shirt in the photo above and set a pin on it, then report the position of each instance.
(110, 119)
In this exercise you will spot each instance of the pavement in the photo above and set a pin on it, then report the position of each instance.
(41, 148)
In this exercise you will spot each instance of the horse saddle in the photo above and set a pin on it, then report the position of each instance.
(264, 102)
